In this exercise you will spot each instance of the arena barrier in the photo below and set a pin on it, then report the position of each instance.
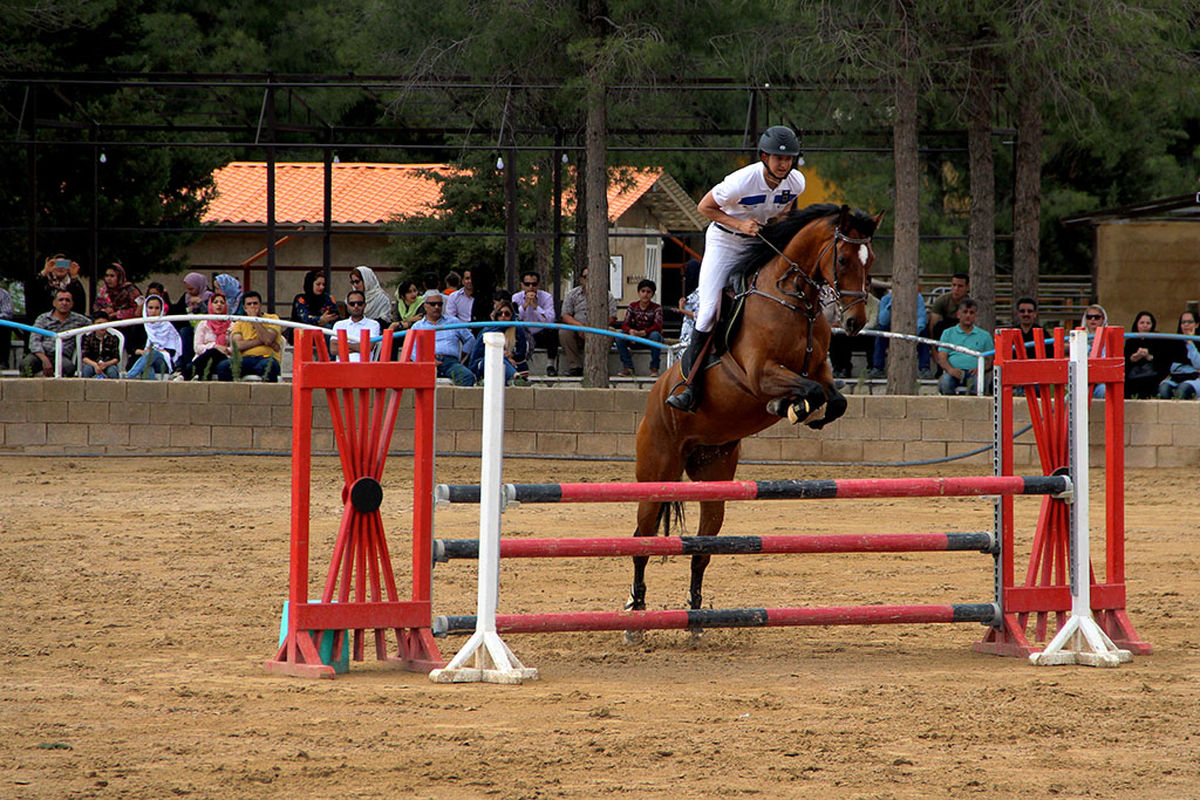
(1058, 392)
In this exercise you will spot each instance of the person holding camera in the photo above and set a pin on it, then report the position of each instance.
(59, 272)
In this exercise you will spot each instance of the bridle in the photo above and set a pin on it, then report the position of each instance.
(810, 309)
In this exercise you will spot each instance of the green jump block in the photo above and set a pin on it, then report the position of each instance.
(324, 643)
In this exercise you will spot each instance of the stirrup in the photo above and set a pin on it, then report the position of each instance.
(684, 401)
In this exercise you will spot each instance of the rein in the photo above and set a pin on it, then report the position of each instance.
(811, 310)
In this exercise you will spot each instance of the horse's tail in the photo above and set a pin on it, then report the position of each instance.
(668, 513)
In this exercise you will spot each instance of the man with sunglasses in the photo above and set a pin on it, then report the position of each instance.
(1026, 313)
(449, 344)
(535, 304)
(356, 304)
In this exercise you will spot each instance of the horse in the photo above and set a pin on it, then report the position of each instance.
(774, 368)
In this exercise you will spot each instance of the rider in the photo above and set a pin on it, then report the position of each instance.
(738, 206)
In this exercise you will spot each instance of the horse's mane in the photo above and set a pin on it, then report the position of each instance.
(780, 232)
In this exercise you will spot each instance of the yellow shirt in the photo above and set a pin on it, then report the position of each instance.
(245, 330)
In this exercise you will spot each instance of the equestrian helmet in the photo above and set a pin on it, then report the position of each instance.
(779, 140)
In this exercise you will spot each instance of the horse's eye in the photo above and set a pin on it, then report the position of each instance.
(841, 261)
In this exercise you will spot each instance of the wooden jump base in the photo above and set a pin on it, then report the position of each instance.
(681, 619)
(685, 491)
(448, 549)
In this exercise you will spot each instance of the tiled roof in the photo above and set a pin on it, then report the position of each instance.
(363, 194)
(368, 194)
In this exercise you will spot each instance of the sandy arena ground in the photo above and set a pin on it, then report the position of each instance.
(140, 597)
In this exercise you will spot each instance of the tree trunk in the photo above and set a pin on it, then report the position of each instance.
(982, 228)
(595, 354)
(901, 365)
(1027, 193)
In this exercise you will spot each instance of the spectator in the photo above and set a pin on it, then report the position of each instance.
(689, 300)
(460, 303)
(943, 313)
(842, 345)
(1026, 309)
(120, 299)
(574, 312)
(1145, 363)
(1094, 318)
(7, 312)
(315, 305)
(358, 322)
(883, 322)
(516, 346)
(643, 318)
(410, 305)
(429, 281)
(535, 304)
(40, 358)
(194, 300)
(212, 343)
(231, 287)
(960, 369)
(59, 272)
(163, 344)
(485, 293)
(1183, 376)
(451, 285)
(259, 345)
(100, 352)
(449, 344)
(379, 307)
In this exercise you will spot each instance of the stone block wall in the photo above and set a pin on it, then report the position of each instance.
(75, 416)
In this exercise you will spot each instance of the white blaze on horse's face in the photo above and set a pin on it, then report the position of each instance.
(864, 253)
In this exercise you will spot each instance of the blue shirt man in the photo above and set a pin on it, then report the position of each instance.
(449, 344)
(961, 368)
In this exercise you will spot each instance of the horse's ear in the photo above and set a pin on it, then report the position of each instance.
(843, 217)
(878, 219)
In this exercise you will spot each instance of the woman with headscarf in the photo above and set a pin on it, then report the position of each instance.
(315, 305)
(118, 298)
(231, 287)
(194, 300)
(212, 342)
(163, 345)
(379, 307)
(1145, 362)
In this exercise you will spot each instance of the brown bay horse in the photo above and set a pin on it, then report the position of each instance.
(775, 367)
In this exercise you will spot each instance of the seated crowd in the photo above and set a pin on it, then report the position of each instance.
(227, 350)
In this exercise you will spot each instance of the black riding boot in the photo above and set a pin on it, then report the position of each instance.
(693, 370)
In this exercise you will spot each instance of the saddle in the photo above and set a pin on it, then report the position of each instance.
(729, 321)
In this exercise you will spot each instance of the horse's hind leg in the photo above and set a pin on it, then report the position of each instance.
(648, 517)
(709, 464)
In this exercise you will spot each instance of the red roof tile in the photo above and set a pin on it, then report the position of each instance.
(363, 193)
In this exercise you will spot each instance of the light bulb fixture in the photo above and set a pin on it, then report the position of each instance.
(103, 158)
(500, 163)
(565, 159)
(336, 160)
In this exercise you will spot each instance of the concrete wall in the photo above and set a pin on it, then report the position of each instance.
(99, 416)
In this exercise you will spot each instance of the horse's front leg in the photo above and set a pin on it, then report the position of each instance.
(798, 398)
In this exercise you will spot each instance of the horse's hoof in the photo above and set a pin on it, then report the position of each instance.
(634, 637)
(798, 412)
(697, 636)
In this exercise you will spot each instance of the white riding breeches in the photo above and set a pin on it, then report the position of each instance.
(721, 251)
